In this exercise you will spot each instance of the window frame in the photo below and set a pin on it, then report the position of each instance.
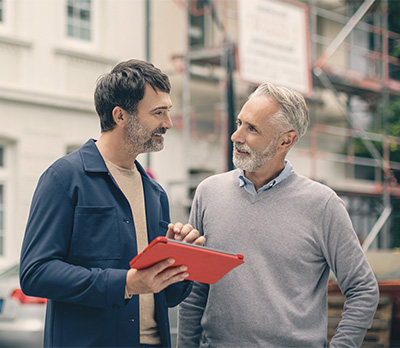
(205, 29)
(78, 43)
(2, 218)
(8, 8)
(76, 23)
(4, 180)
(7, 180)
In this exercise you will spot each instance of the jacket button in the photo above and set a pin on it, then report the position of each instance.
(127, 221)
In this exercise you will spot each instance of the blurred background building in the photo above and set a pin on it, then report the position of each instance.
(342, 55)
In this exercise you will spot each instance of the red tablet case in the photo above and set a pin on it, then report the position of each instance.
(204, 265)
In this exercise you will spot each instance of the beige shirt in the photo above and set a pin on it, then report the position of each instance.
(130, 183)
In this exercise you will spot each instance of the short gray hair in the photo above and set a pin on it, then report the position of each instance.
(293, 110)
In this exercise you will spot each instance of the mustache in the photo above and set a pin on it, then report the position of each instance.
(241, 147)
(161, 130)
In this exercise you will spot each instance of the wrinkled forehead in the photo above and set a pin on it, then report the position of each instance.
(259, 109)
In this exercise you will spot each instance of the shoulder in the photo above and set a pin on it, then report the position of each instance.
(311, 191)
(219, 180)
(74, 164)
(308, 183)
(67, 165)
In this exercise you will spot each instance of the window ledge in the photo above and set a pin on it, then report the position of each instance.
(15, 42)
(86, 56)
(40, 98)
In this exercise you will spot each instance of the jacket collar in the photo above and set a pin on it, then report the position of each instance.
(93, 162)
(91, 158)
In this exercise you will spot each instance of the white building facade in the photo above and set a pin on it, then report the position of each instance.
(53, 51)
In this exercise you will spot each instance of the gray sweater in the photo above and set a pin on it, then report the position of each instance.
(290, 236)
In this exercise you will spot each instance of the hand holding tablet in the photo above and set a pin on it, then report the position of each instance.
(204, 265)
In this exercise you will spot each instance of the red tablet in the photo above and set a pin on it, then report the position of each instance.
(204, 265)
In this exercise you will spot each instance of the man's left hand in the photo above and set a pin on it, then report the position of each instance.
(185, 233)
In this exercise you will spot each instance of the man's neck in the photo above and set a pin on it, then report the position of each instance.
(112, 147)
(265, 174)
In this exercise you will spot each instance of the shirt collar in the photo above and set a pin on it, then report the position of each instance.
(249, 186)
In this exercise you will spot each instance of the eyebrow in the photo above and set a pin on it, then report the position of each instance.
(161, 108)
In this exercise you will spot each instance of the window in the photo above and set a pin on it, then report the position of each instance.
(7, 16)
(1, 11)
(72, 148)
(199, 23)
(5, 184)
(79, 19)
(1, 219)
(2, 199)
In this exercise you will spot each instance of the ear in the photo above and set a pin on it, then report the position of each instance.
(287, 140)
(119, 115)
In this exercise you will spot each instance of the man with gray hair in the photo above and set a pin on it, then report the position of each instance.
(292, 232)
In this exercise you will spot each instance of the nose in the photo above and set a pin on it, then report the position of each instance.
(168, 122)
(236, 137)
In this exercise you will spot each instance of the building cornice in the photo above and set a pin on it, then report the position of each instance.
(45, 99)
(15, 42)
(85, 56)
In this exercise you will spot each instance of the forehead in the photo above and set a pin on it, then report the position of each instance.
(154, 99)
(258, 109)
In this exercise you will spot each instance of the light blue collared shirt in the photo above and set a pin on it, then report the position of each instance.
(249, 186)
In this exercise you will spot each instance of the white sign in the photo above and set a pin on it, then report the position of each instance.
(273, 44)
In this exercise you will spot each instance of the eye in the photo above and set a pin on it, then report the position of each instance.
(252, 129)
(160, 112)
(238, 123)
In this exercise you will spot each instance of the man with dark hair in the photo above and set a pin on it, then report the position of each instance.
(93, 211)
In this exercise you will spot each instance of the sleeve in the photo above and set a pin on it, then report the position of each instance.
(191, 310)
(176, 293)
(190, 313)
(355, 278)
(44, 270)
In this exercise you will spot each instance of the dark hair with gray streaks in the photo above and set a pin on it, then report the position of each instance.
(124, 86)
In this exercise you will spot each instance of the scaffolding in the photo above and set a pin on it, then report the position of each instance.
(372, 82)
(351, 61)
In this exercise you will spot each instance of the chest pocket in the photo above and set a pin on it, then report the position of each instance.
(96, 234)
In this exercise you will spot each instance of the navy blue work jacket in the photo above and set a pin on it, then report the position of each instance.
(79, 239)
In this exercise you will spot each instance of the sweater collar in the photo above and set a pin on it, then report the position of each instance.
(249, 186)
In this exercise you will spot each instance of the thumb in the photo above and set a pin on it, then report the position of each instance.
(170, 233)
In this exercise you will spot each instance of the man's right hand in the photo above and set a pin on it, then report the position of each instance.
(155, 278)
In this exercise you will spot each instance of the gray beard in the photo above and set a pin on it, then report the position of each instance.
(254, 160)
